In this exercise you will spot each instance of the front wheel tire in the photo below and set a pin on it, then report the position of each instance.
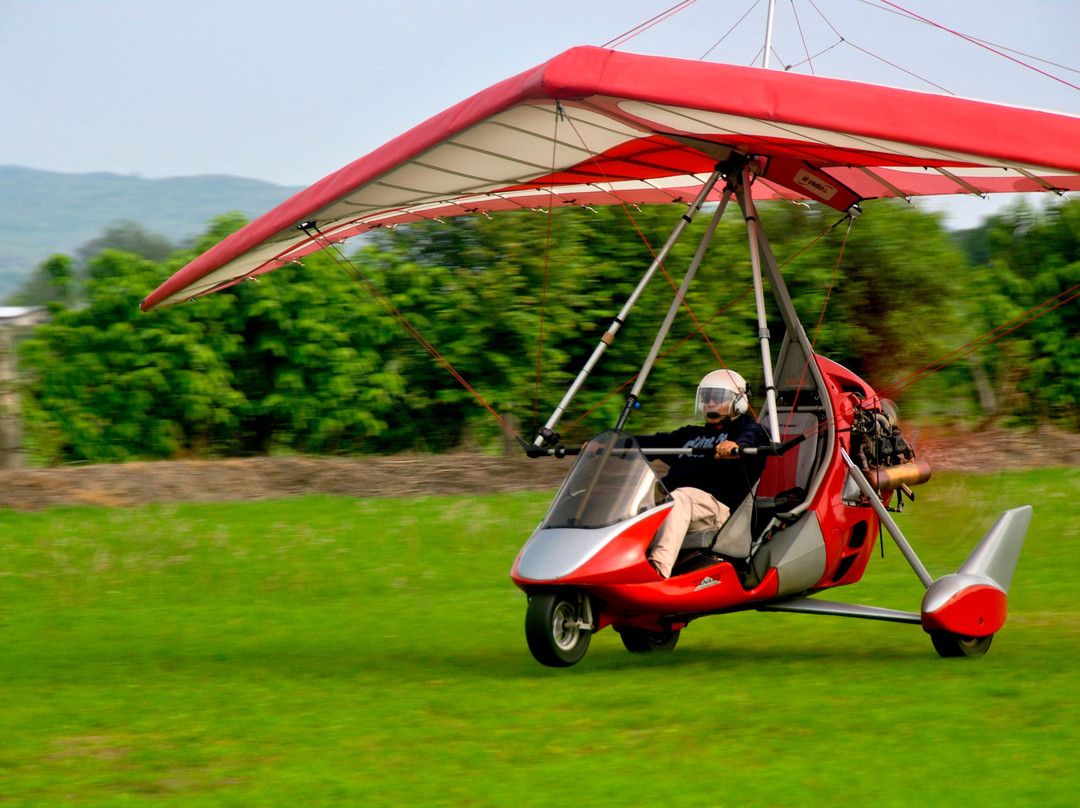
(554, 631)
(948, 644)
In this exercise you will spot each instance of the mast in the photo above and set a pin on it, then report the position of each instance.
(768, 34)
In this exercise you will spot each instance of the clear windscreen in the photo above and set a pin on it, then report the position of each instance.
(611, 481)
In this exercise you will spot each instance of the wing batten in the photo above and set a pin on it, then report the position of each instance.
(888, 186)
(593, 126)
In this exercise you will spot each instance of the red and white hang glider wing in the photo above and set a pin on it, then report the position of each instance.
(594, 126)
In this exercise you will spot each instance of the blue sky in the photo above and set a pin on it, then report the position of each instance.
(288, 92)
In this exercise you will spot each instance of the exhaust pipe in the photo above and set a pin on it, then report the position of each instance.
(889, 478)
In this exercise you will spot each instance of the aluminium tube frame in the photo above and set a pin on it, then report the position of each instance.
(676, 304)
(886, 519)
(752, 228)
(795, 334)
(548, 429)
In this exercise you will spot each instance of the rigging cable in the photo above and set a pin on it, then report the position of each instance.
(1032, 314)
(660, 358)
(716, 44)
(832, 280)
(700, 327)
(645, 241)
(989, 337)
(824, 305)
(346, 264)
(802, 36)
(874, 55)
(622, 39)
(980, 43)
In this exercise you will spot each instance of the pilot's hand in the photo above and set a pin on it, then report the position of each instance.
(727, 449)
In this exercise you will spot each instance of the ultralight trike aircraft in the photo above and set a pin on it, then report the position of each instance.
(595, 126)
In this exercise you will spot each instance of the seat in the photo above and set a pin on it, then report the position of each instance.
(732, 539)
(791, 472)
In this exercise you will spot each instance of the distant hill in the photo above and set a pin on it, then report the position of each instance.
(43, 212)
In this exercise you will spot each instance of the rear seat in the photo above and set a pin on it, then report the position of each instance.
(791, 472)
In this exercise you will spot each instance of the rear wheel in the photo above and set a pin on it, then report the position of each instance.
(948, 644)
(642, 641)
(553, 629)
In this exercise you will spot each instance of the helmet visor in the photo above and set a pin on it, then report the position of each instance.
(714, 400)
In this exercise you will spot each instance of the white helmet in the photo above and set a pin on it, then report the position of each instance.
(722, 386)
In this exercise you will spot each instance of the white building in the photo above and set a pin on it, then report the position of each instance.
(13, 319)
(16, 316)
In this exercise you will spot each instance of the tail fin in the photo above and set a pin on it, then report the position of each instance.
(971, 602)
(997, 554)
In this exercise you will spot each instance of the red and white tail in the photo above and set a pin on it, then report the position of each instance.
(971, 602)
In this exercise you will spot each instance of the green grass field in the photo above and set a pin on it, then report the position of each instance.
(329, 651)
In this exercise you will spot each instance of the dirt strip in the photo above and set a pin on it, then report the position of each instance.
(125, 484)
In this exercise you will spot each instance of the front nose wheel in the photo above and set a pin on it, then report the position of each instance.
(555, 630)
(948, 644)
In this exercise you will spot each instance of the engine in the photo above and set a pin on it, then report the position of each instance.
(879, 448)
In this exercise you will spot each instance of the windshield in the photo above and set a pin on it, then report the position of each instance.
(611, 481)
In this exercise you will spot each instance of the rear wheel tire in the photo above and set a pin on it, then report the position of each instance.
(642, 641)
(553, 630)
(948, 644)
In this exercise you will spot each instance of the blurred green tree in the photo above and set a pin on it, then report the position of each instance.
(1034, 269)
(105, 387)
(62, 279)
(335, 354)
(892, 299)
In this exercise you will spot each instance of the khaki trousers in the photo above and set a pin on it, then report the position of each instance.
(693, 510)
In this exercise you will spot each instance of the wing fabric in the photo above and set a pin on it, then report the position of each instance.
(595, 126)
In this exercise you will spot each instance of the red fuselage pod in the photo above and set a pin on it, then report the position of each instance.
(610, 564)
(848, 531)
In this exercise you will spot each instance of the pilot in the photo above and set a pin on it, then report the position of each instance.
(707, 487)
